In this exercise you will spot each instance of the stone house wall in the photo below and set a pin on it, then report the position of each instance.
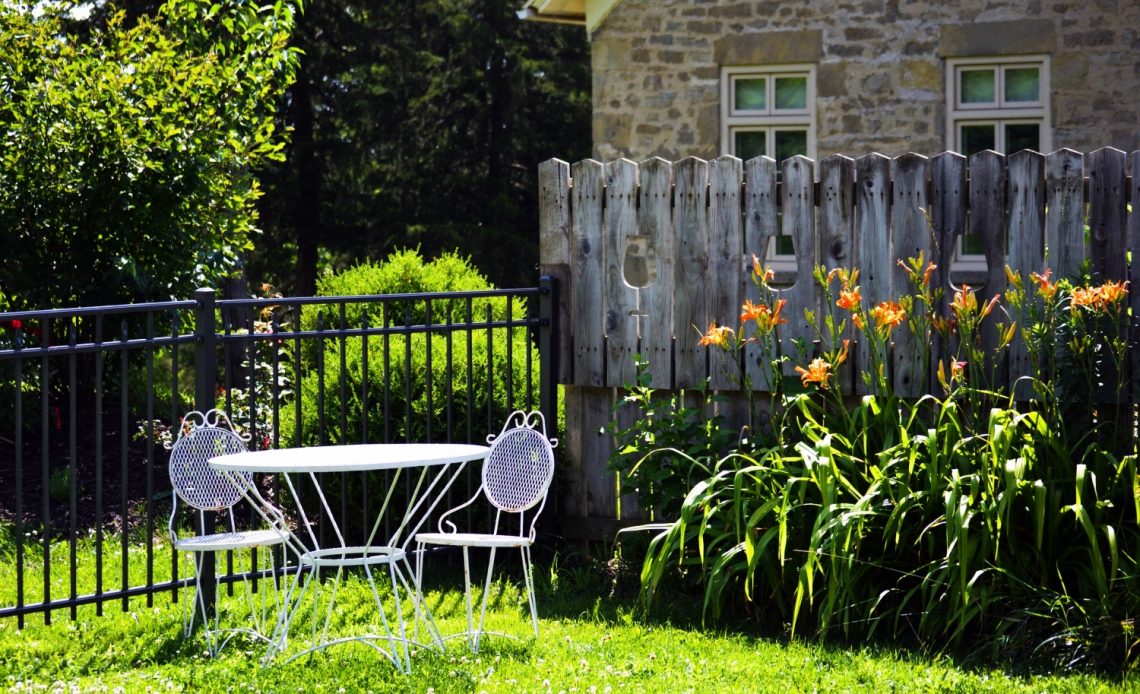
(880, 81)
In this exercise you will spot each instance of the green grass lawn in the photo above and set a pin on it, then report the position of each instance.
(589, 642)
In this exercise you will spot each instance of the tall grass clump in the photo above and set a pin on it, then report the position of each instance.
(979, 519)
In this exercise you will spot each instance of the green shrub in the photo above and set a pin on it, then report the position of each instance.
(399, 381)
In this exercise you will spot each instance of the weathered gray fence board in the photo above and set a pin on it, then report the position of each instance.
(554, 250)
(948, 217)
(1065, 217)
(683, 234)
(836, 229)
(798, 199)
(988, 221)
(872, 240)
(655, 231)
(1026, 250)
(587, 307)
(910, 236)
(690, 310)
(626, 414)
(1134, 285)
(726, 249)
(1107, 190)
(621, 299)
(760, 216)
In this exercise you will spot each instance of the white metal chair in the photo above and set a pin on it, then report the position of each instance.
(516, 478)
(201, 437)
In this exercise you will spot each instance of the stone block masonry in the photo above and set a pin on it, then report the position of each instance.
(880, 68)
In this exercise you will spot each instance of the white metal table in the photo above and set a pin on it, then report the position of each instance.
(438, 466)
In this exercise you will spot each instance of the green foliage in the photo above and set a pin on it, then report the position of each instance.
(423, 123)
(587, 639)
(404, 390)
(968, 522)
(129, 153)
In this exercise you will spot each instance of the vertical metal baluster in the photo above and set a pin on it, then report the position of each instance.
(149, 458)
(72, 468)
(254, 435)
(321, 406)
(427, 370)
(124, 439)
(510, 332)
(176, 426)
(45, 423)
(450, 382)
(364, 403)
(19, 441)
(386, 321)
(531, 340)
(469, 474)
(343, 383)
(407, 333)
(490, 370)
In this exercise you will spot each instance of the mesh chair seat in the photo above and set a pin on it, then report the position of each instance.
(474, 540)
(220, 542)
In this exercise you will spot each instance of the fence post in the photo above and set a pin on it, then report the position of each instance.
(548, 352)
(205, 371)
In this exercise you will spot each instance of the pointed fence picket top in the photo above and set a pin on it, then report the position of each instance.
(690, 298)
(655, 234)
(587, 317)
(1064, 222)
(760, 228)
(654, 252)
(726, 248)
(836, 233)
(872, 242)
(1026, 252)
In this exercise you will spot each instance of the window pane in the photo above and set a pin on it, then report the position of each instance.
(977, 138)
(1019, 136)
(750, 143)
(789, 143)
(750, 93)
(1022, 84)
(785, 245)
(972, 245)
(977, 86)
(791, 92)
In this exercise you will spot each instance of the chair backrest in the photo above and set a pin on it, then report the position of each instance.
(201, 437)
(520, 464)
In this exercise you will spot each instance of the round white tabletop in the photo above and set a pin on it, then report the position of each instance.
(349, 457)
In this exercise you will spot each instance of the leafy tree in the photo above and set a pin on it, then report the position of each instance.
(130, 153)
(421, 123)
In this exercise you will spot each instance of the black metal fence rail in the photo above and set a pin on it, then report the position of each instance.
(90, 395)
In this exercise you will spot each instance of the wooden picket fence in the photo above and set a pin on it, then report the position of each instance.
(649, 254)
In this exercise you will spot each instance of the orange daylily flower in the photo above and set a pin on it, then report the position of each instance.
(766, 319)
(888, 314)
(858, 321)
(1045, 288)
(765, 275)
(843, 354)
(930, 268)
(849, 299)
(1113, 292)
(818, 372)
(750, 311)
(716, 335)
(964, 301)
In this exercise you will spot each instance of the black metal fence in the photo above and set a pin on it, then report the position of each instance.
(90, 396)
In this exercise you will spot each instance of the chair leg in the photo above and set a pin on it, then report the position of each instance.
(528, 580)
(467, 595)
(486, 594)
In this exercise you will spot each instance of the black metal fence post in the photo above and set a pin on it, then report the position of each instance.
(205, 372)
(548, 337)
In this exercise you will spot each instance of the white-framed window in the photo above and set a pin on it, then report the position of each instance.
(1000, 104)
(769, 111)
